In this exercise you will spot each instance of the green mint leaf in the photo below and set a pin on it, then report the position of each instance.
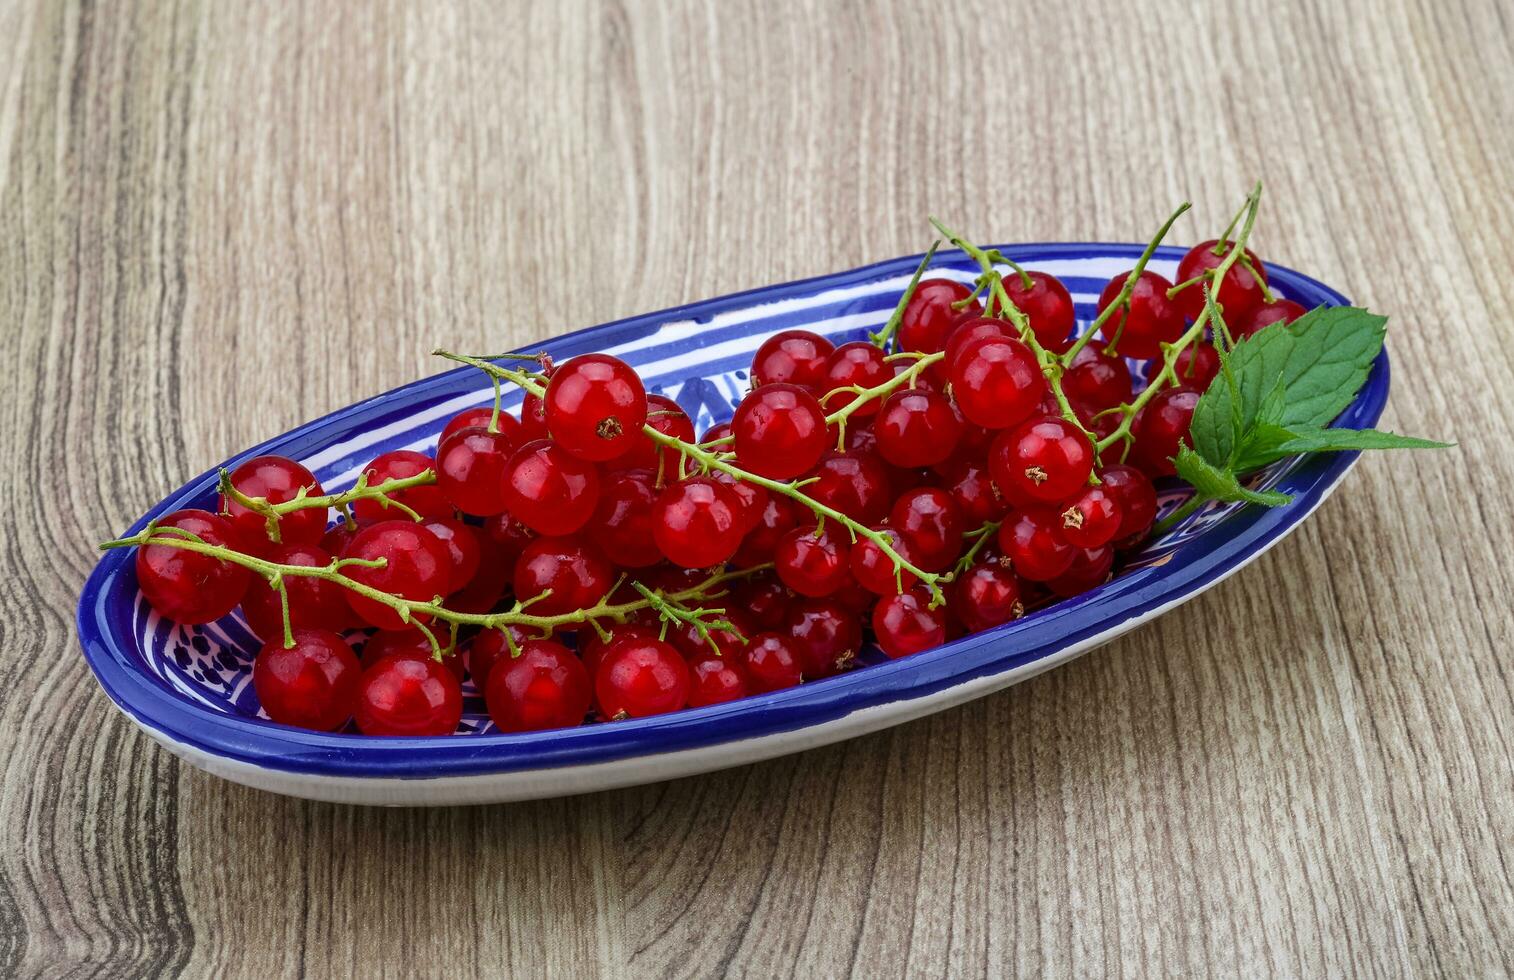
(1269, 444)
(1220, 483)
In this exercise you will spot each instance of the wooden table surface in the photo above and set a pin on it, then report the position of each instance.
(219, 220)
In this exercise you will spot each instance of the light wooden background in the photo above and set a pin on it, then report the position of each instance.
(219, 220)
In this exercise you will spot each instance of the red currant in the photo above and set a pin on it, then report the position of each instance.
(509, 534)
(576, 573)
(545, 687)
(1196, 366)
(592, 647)
(905, 623)
(750, 498)
(416, 566)
(595, 406)
(1089, 569)
(811, 563)
(1239, 292)
(639, 677)
(1137, 499)
(314, 603)
(779, 515)
(825, 636)
(550, 490)
(968, 331)
(426, 500)
(1264, 315)
(668, 417)
(997, 382)
(1161, 427)
(1150, 320)
(771, 663)
(791, 357)
(275, 479)
(780, 431)
(470, 470)
(312, 684)
(916, 428)
(185, 586)
(854, 483)
(623, 520)
(1091, 518)
(858, 364)
(463, 550)
(987, 595)
(716, 680)
(507, 425)
(1034, 546)
(1045, 459)
(489, 648)
(967, 480)
(765, 599)
(931, 524)
(413, 642)
(405, 696)
(1097, 379)
(1047, 304)
(929, 317)
(872, 567)
(695, 522)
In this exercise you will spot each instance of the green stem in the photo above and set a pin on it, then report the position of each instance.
(1188, 507)
(983, 534)
(885, 337)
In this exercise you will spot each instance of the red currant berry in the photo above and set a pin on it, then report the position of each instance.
(968, 331)
(1031, 541)
(791, 357)
(507, 425)
(854, 483)
(185, 586)
(1046, 459)
(771, 663)
(716, 680)
(668, 417)
(905, 623)
(765, 599)
(987, 595)
(533, 420)
(545, 687)
(780, 431)
(750, 498)
(1089, 569)
(1137, 499)
(1160, 428)
(338, 537)
(509, 534)
(1239, 293)
(916, 428)
(1196, 366)
(1150, 320)
(858, 364)
(779, 516)
(623, 520)
(695, 522)
(414, 642)
(275, 479)
(489, 648)
(874, 570)
(1264, 315)
(463, 549)
(997, 382)
(931, 524)
(639, 677)
(550, 490)
(595, 406)
(1047, 304)
(314, 603)
(720, 433)
(1091, 518)
(967, 480)
(312, 684)
(812, 564)
(929, 317)
(416, 565)
(426, 500)
(470, 470)
(405, 696)
(576, 573)
(825, 635)
(592, 647)
(1097, 379)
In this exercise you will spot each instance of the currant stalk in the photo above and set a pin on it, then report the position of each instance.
(883, 338)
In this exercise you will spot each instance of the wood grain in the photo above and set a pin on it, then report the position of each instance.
(220, 219)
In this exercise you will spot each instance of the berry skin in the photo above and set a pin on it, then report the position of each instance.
(470, 470)
(412, 641)
(854, 483)
(1046, 460)
(489, 648)
(874, 570)
(812, 564)
(509, 534)
(276, 479)
(929, 318)
(1047, 304)
(595, 407)
(550, 490)
(591, 649)
(997, 382)
(623, 520)
(1150, 321)
(1196, 366)
(417, 565)
(545, 687)
(1137, 499)
(695, 522)
(716, 680)
(765, 599)
(1239, 292)
(1160, 428)
(404, 696)
(426, 501)
(508, 425)
(779, 515)
(463, 550)
(312, 684)
(905, 623)
(186, 587)
(858, 364)
(1265, 315)
(1097, 379)
(771, 663)
(575, 572)
(1091, 518)
(1089, 569)
(791, 357)
(968, 481)
(751, 499)
(824, 635)
(987, 595)
(668, 417)
(916, 428)
(639, 677)
(314, 603)
(931, 524)
(780, 431)
(1034, 546)
(968, 331)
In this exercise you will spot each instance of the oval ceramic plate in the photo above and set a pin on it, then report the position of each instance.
(190, 687)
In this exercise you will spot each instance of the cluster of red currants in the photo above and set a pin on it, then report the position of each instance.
(592, 559)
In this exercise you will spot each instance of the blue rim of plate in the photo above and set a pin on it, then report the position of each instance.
(106, 603)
